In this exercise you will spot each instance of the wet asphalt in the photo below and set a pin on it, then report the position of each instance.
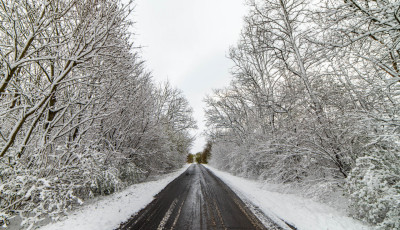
(196, 200)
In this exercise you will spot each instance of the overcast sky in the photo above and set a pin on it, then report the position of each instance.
(187, 42)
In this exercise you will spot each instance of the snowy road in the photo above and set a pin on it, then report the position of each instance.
(195, 200)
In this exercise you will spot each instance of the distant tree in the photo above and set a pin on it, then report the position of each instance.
(189, 158)
(206, 154)
(198, 158)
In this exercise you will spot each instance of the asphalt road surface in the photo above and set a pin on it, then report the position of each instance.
(197, 199)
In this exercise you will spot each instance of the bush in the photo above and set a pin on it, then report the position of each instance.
(374, 187)
(35, 198)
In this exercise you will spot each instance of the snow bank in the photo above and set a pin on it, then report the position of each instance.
(300, 212)
(109, 212)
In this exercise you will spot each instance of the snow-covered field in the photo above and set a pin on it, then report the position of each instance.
(304, 214)
(109, 212)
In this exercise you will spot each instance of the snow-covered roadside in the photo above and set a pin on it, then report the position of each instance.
(300, 212)
(109, 212)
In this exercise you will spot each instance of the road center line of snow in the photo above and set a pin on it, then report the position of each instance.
(167, 215)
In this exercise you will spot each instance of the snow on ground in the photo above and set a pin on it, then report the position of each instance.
(303, 213)
(110, 212)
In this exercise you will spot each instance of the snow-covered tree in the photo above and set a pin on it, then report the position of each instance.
(313, 101)
(79, 115)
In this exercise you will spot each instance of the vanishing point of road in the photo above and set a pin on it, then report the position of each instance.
(196, 200)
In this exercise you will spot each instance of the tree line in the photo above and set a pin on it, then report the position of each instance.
(80, 115)
(314, 102)
(200, 157)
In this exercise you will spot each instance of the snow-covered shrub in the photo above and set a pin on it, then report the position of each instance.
(106, 182)
(33, 196)
(35, 189)
(374, 187)
(130, 173)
